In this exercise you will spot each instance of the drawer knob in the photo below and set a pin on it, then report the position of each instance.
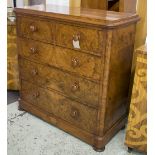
(75, 86)
(36, 95)
(33, 50)
(75, 62)
(33, 28)
(34, 72)
(76, 37)
(75, 113)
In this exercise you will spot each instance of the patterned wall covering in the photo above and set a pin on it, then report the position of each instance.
(136, 134)
(12, 63)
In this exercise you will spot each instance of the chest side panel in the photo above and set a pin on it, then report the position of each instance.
(119, 74)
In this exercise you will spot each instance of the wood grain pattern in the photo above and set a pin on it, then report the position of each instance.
(56, 121)
(136, 133)
(101, 66)
(89, 39)
(91, 17)
(97, 4)
(120, 70)
(77, 114)
(36, 29)
(63, 58)
(127, 6)
(73, 87)
(141, 32)
(12, 62)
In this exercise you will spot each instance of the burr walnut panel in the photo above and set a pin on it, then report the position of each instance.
(36, 29)
(76, 88)
(88, 39)
(77, 114)
(66, 59)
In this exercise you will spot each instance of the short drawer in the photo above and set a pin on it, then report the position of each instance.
(36, 29)
(66, 59)
(85, 39)
(73, 87)
(73, 112)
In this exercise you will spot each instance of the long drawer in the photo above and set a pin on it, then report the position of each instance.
(73, 61)
(36, 29)
(73, 112)
(74, 87)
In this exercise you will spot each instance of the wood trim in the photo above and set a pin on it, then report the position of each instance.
(63, 125)
(127, 6)
(97, 18)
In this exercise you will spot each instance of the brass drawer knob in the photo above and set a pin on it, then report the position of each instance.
(36, 95)
(76, 37)
(33, 50)
(34, 72)
(33, 28)
(75, 87)
(75, 62)
(74, 113)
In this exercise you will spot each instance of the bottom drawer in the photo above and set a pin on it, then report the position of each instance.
(51, 102)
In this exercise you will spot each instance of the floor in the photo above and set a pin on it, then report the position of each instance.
(28, 134)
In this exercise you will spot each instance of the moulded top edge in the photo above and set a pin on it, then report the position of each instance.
(90, 16)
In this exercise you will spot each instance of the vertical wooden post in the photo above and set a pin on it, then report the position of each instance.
(127, 5)
(141, 31)
(75, 3)
(95, 4)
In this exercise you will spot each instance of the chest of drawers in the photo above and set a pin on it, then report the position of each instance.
(75, 68)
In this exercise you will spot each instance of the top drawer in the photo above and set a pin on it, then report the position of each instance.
(85, 39)
(36, 29)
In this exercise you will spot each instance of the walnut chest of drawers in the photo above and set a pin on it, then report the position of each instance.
(75, 68)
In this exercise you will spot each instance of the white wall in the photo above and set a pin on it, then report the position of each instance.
(58, 2)
(9, 3)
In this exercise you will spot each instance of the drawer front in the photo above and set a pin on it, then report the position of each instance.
(85, 39)
(36, 29)
(76, 88)
(66, 59)
(73, 112)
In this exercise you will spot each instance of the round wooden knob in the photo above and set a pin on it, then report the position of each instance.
(33, 28)
(76, 37)
(75, 62)
(34, 72)
(33, 50)
(75, 86)
(36, 95)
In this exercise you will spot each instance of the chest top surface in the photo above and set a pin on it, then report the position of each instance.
(91, 16)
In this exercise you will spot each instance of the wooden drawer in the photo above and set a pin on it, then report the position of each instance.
(73, 61)
(73, 112)
(89, 40)
(36, 29)
(74, 87)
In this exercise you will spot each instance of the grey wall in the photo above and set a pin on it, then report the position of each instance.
(32, 2)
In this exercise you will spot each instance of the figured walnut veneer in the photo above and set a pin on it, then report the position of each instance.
(75, 68)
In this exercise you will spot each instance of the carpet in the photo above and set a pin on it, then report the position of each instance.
(29, 135)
